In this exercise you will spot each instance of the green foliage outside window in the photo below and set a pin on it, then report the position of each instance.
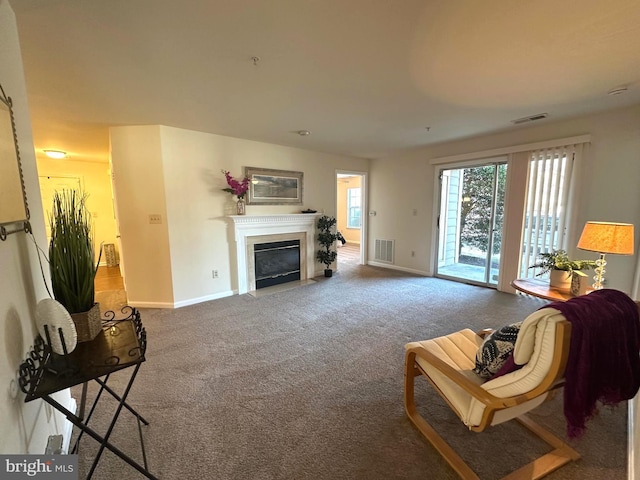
(475, 213)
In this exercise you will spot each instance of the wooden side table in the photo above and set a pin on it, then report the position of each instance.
(541, 289)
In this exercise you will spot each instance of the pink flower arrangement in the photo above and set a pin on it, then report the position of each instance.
(236, 187)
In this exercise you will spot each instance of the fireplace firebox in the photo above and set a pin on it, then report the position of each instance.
(276, 262)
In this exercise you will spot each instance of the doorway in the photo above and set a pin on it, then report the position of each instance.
(470, 223)
(350, 189)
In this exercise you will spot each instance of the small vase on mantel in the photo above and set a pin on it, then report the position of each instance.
(240, 207)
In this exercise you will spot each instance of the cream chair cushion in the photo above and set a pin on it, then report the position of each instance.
(534, 348)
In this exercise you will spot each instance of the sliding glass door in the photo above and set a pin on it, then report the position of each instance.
(470, 223)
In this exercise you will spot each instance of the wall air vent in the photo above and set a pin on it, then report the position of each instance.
(532, 118)
(384, 251)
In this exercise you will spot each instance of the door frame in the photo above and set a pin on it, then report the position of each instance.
(363, 205)
(479, 162)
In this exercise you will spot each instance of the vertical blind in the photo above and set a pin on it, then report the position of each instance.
(546, 210)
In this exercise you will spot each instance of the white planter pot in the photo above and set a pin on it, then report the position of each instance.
(560, 279)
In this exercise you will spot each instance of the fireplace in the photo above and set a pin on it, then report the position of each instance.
(252, 230)
(276, 263)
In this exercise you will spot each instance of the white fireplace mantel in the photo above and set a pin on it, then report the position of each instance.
(247, 226)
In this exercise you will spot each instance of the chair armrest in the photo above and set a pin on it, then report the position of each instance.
(454, 375)
(464, 383)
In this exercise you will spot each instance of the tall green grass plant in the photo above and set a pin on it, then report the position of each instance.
(71, 252)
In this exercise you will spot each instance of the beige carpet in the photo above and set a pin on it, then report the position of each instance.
(307, 384)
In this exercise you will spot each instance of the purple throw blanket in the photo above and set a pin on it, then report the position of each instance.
(604, 358)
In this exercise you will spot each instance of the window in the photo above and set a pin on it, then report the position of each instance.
(353, 207)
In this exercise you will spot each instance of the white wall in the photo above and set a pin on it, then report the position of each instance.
(610, 179)
(399, 186)
(96, 183)
(136, 157)
(177, 172)
(24, 427)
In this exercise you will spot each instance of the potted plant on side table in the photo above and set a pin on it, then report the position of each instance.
(562, 270)
(327, 240)
(71, 262)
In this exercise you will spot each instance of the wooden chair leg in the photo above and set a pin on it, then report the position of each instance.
(445, 450)
(540, 467)
(544, 465)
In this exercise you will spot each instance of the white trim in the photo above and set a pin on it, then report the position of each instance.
(68, 426)
(247, 226)
(634, 403)
(422, 273)
(205, 298)
(631, 438)
(137, 304)
(182, 303)
(559, 142)
(364, 209)
(635, 290)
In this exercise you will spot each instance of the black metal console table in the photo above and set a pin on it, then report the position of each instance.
(121, 344)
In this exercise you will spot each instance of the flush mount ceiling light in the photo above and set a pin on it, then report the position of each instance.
(303, 133)
(55, 153)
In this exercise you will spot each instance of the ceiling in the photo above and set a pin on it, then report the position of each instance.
(365, 77)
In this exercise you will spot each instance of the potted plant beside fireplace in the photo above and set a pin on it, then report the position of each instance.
(327, 239)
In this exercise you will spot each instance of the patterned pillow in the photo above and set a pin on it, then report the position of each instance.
(495, 350)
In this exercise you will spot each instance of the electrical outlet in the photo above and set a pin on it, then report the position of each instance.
(415, 212)
(413, 253)
(214, 273)
(155, 218)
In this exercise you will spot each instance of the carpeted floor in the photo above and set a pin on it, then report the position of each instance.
(307, 384)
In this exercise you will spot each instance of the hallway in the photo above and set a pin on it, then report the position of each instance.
(110, 293)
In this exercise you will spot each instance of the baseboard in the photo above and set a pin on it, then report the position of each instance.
(137, 304)
(181, 303)
(206, 298)
(401, 269)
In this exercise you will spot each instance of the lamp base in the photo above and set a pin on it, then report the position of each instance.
(600, 271)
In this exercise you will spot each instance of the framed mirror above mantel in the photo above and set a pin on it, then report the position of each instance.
(14, 209)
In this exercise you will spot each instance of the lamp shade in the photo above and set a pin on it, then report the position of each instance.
(607, 237)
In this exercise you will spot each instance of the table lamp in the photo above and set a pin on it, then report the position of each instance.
(606, 237)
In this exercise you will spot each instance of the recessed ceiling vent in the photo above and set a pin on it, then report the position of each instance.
(532, 118)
